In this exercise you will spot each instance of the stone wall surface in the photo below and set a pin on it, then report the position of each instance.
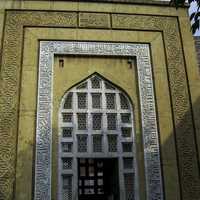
(197, 46)
(176, 79)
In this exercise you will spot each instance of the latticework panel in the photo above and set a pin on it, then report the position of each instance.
(110, 101)
(67, 132)
(129, 186)
(82, 143)
(112, 143)
(82, 100)
(96, 82)
(96, 121)
(127, 147)
(67, 117)
(126, 118)
(68, 101)
(96, 100)
(67, 187)
(128, 163)
(109, 86)
(67, 147)
(97, 143)
(124, 102)
(82, 121)
(111, 121)
(95, 115)
(126, 131)
(82, 86)
(67, 163)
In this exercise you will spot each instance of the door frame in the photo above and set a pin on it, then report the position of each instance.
(147, 108)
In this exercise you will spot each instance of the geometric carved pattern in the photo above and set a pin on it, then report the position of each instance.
(82, 143)
(182, 112)
(97, 143)
(82, 100)
(129, 184)
(125, 118)
(124, 102)
(68, 102)
(126, 131)
(10, 79)
(10, 84)
(110, 100)
(127, 147)
(82, 121)
(96, 83)
(91, 137)
(67, 187)
(67, 117)
(112, 143)
(146, 92)
(96, 121)
(67, 163)
(67, 132)
(128, 163)
(111, 121)
(96, 100)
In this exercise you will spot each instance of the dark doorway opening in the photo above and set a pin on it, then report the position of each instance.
(98, 179)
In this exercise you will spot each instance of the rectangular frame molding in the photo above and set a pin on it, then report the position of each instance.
(48, 49)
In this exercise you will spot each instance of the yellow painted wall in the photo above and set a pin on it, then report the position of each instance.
(75, 70)
(118, 22)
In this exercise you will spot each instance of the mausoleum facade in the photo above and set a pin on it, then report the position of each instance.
(98, 100)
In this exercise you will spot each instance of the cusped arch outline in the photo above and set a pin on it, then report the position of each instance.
(102, 77)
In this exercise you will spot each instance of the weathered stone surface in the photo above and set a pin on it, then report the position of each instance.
(10, 85)
(95, 20)
(197, 45)
(184, 125)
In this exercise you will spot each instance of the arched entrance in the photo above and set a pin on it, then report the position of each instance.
(96, 143)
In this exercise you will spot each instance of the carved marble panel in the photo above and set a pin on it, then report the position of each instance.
(95, 20)
(44, 109)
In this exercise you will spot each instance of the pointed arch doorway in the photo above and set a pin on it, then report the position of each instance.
(97, 156)
(149, 130)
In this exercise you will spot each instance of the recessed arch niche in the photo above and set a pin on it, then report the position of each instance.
(141, 52)
(96, 124)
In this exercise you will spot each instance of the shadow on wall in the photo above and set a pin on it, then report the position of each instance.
(187, 155)
(186, 145)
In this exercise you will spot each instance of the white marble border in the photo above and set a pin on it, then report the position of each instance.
(44, 109)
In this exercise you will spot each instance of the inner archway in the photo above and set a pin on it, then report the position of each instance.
(96, 143)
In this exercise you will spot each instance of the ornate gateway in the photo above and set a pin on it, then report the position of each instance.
(96, 121)
(93, 101)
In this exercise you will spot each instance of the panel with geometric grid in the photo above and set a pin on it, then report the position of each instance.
(96, 121)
